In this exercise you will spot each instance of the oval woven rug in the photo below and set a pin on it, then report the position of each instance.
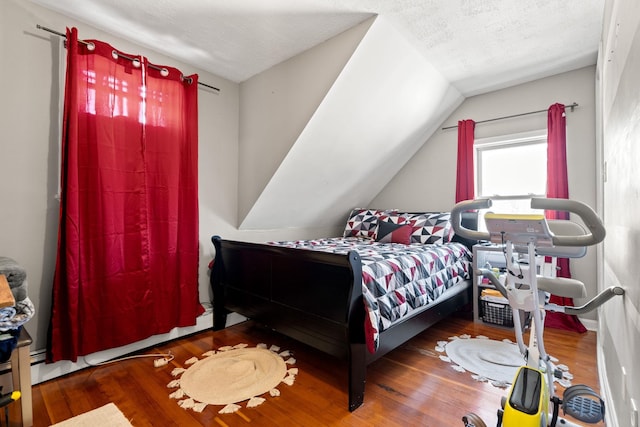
(490, 360)
(232, 375)
(494, 360)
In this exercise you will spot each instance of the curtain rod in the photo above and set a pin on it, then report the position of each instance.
(572, 106)
(155, 67)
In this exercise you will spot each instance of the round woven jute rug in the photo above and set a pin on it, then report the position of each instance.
(232, 375)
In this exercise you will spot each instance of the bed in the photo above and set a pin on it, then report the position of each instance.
(389, 277)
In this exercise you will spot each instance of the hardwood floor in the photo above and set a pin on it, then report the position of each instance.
(409, 386)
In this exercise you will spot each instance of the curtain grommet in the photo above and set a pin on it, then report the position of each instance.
(115, 54)
(136, 62)
(91, 46)
(164, 72)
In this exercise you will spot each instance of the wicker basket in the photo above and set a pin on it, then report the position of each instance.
(497, 313)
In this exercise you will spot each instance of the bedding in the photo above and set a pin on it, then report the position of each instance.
(398, 280)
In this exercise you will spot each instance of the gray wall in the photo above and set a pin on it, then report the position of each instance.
(619, 121)
(427, 182)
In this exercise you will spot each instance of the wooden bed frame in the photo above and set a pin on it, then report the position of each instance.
(315, 298)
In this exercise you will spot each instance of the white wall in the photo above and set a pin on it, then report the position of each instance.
(619, 79)
(382, 107)
(277, 104)
(427, 182)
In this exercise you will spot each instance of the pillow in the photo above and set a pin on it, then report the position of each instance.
(364, 222)
(432, 228)
(388, 232)
(428, 227)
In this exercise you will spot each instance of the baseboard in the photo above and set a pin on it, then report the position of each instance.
(41, 371)
(610, 416)
(591, 325)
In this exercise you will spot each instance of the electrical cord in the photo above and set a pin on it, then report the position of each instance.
(161, 359)
(504, 251)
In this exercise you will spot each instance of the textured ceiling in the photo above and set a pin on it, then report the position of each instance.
(477, 45)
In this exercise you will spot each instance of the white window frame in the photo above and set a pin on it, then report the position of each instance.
(517, 139)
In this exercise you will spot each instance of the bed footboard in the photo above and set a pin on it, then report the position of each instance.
(309, 296)
(313, 297)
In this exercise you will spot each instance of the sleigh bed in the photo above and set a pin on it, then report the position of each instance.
(391, 276)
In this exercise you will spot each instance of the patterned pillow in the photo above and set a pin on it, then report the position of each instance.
(432, 228)
(364, 222)
(428, 227)
(388, 232)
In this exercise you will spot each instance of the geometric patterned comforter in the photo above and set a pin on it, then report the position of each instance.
(397, 280)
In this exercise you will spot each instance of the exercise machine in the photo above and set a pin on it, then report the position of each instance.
(531, 401)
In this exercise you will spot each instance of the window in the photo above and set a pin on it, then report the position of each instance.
(511, 169)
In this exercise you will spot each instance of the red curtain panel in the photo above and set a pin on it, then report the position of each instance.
(558, 187)
(465, 173)
(127, 265)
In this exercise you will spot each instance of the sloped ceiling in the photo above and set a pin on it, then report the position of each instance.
(477, 45)
(417, 63)
(380, 110)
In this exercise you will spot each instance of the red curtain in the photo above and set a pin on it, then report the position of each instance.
(464, 174)
(127, 265)
(558, 187)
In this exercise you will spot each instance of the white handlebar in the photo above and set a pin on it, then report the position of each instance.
(589, 217)
(456, 218)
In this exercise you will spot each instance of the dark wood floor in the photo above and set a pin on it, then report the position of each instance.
(409, 386)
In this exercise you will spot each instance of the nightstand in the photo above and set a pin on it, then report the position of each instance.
(483, 254)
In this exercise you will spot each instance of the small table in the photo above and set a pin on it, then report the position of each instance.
(21, 375)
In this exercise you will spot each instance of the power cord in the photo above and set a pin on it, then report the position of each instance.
(504, 251)
(165, 359)
(162, 359)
